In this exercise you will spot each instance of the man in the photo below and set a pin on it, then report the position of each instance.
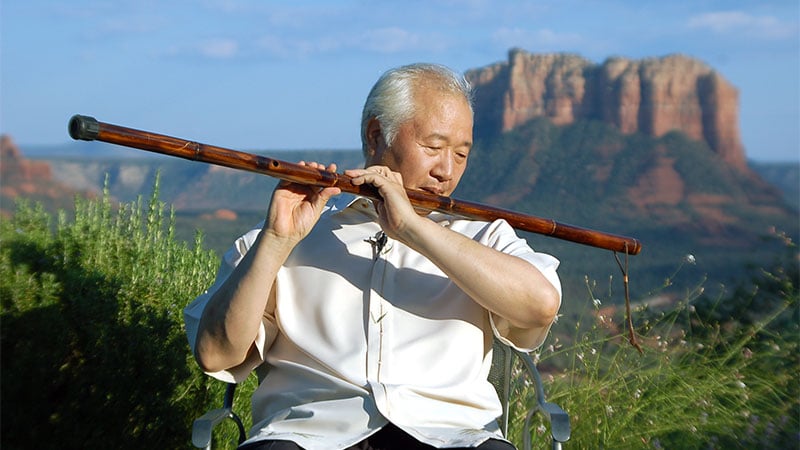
(370, 324)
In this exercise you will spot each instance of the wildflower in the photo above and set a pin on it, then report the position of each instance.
(597, 302)
(741, 385)
(541, 429)
(689, 259)
(609, 410)
(747, 353)
(638, 394)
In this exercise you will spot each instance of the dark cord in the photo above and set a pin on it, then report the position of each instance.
(631, 332)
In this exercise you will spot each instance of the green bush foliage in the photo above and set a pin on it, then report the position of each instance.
(94, 353)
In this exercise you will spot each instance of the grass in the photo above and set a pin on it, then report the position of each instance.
(700, 383)
(94, 352)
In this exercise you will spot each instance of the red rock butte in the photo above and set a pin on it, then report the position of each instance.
(652, 96)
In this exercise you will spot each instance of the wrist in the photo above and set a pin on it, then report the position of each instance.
(278, 242)
(417, 229)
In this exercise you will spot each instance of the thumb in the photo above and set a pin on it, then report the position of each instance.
(326, 194)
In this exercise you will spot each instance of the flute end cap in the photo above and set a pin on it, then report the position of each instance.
(83, 128)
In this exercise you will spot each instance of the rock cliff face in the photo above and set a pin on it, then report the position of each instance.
(15, 166)
(652, 96)
(31, 179)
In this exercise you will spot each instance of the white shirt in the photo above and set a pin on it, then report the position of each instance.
(365, 337)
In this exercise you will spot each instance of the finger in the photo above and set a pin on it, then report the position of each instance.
(313, 164)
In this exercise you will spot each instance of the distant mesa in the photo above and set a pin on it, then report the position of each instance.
(15, 166)
(21, 177)
(221, 214)
(652, 96)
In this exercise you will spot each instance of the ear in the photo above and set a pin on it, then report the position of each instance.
(374, 138)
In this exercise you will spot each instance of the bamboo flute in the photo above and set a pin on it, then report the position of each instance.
(89, 129)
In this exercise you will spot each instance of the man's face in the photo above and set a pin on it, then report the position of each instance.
(430, 151)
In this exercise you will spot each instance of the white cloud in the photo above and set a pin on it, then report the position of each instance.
(221, 48)
(398, 40)
(386, 40)
(542, 39)
(283, 47)
(739, 22)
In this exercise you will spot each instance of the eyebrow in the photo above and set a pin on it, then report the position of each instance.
(441, 137)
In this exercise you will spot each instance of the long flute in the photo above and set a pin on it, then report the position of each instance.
(89, 129)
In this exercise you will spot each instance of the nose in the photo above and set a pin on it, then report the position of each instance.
(442, 169)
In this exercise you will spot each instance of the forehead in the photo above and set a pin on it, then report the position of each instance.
(440, 108)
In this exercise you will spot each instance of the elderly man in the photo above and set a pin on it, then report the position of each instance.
(370, 324)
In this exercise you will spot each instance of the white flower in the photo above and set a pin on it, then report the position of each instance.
(689, 258)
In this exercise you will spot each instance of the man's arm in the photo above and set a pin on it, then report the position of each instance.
(506, 285)
(231, 319)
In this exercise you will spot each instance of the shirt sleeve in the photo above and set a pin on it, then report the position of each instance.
(267, 331)
(501, 236)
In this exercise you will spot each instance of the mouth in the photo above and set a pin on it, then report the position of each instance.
(433, 190)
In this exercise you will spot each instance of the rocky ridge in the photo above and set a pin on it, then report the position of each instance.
(652, 96)
(29, 179)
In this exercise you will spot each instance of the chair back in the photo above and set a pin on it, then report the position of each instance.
(500, 377)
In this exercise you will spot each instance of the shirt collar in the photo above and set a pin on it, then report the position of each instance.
(344, 201)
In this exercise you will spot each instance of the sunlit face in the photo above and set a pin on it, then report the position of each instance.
(430, 151)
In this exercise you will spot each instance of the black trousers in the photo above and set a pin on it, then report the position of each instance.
(388, 438)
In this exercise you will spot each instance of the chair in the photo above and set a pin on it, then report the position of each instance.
(203, 426)
(500, 376)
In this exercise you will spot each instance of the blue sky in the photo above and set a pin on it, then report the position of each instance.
(259, 74)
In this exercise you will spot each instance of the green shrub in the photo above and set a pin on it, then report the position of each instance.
(94, 353)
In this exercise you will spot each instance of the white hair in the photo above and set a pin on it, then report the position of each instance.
(391, 100)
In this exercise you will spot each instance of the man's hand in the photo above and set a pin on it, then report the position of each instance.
(232, 318)
(295, 208)
(396, 214)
